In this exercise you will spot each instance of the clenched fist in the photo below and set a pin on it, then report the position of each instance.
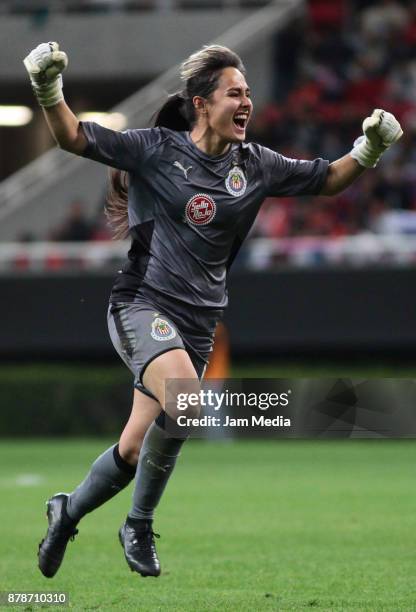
(45, 65)
(381, 130)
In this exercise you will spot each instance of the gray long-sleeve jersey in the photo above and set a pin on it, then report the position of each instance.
(189, 212)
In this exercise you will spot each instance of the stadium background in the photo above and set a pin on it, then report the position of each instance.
(323, 287)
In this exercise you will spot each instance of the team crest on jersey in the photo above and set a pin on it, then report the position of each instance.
(162, 330)
(200, 209)
(236, 182)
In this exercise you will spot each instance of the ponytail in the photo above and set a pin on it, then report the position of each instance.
(171, 115)
(115, 208)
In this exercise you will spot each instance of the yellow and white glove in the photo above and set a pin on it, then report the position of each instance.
(381, 130)
(44, 65)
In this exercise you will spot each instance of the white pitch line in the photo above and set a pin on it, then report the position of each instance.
(29, 480)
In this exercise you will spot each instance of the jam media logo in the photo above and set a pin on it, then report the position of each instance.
(236, 182)
(200, 209)
(162, 330)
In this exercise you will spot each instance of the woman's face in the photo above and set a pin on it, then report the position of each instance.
(229, 107)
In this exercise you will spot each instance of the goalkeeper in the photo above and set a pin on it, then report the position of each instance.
(187, 192)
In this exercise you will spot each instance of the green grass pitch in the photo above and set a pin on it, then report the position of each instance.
(253, 525)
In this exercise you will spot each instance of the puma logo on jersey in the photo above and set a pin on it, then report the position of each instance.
(184, 170)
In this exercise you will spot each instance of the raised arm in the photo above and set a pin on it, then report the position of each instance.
(65, 128)
(45, 65)
(381, 130)
(341, 173)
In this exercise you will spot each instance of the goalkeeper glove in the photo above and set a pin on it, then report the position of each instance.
(44, 65)
(381, 130)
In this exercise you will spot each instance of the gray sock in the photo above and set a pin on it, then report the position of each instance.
(109, 474)
(156, 462)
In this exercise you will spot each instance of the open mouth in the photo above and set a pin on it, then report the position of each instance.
(240, 121)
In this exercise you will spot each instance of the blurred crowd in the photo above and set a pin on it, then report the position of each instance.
(41, 9)
(78, 227)
(349, 57)
(331, 70)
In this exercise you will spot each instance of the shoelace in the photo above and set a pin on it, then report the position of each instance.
(73, 534)
(64, 534)
(63, 537)
(144, 539)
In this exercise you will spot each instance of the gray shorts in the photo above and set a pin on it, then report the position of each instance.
(140, 333)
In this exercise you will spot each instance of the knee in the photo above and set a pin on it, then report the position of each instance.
(129, 452)
(191, 411)
(186, 400)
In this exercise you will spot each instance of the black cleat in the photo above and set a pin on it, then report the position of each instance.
(61, 528)
(137, 539)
